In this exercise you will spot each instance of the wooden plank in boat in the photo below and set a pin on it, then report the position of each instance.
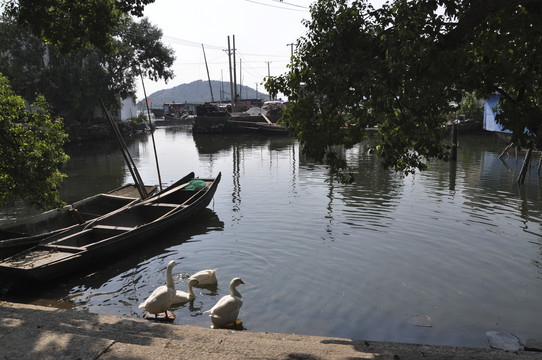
(165, 205)
(113, 227)
(37, 258)
(131, 191)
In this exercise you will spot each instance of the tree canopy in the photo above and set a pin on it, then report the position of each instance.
(72, 82)
(400, 67)
(71, 52)
(31, 150)
(74, 24)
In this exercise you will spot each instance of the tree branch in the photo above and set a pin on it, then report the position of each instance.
(476, 15)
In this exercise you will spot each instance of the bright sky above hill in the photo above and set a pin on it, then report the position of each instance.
(263, 30)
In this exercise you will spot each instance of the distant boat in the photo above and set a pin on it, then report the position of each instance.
(238, 123)
(182, 119)
(116, 232)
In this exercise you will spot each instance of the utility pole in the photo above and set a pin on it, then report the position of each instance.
(268, 75)
(231, 80)
(234, 73)
(208, 77)
(240, 78)
(292, 54)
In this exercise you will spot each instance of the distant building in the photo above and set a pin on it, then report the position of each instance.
(128, 109)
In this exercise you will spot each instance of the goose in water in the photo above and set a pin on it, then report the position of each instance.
(205, 277)
(162, 297)
(226, 310)
(182, 297)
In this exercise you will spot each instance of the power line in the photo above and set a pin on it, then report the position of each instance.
(296, 5)
(305, 9)
(265, 55)
(190, 43)
(184, 42)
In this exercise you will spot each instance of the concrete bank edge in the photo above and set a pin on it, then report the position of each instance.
(30, 331)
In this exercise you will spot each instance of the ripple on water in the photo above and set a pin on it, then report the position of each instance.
(457, 243)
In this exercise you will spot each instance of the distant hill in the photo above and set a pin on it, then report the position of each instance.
(198, 91)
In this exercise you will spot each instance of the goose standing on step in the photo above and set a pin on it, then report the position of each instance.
(162, 297)
(182, 297)
(226, 310)
(205, 277)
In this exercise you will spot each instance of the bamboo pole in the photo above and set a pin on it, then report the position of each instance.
(505, 150)
(126, 154)
(152, 131)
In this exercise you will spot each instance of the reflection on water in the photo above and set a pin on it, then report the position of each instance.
(459, 243)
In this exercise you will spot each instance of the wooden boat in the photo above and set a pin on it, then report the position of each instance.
(21, 234)
(111, 234)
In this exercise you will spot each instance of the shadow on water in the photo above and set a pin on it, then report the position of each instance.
(96, 275)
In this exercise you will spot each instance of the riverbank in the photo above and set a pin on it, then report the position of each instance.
(102, 131)
(35, 332)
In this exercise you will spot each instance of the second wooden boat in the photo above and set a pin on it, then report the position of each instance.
(111, 234)
(19, 234)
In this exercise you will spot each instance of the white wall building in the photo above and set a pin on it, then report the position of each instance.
(128, 109)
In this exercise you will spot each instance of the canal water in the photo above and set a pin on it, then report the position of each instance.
(439, 257)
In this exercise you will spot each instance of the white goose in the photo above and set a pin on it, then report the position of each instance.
(226, 310)
(205, 277)
(182, 297)
(162, 297)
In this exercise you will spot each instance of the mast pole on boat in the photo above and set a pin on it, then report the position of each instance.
(208, 77)
(221, 86)
(152, 131)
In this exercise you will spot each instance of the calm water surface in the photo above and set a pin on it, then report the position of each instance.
(460, 243)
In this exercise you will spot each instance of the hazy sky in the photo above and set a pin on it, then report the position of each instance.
(262, 28)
